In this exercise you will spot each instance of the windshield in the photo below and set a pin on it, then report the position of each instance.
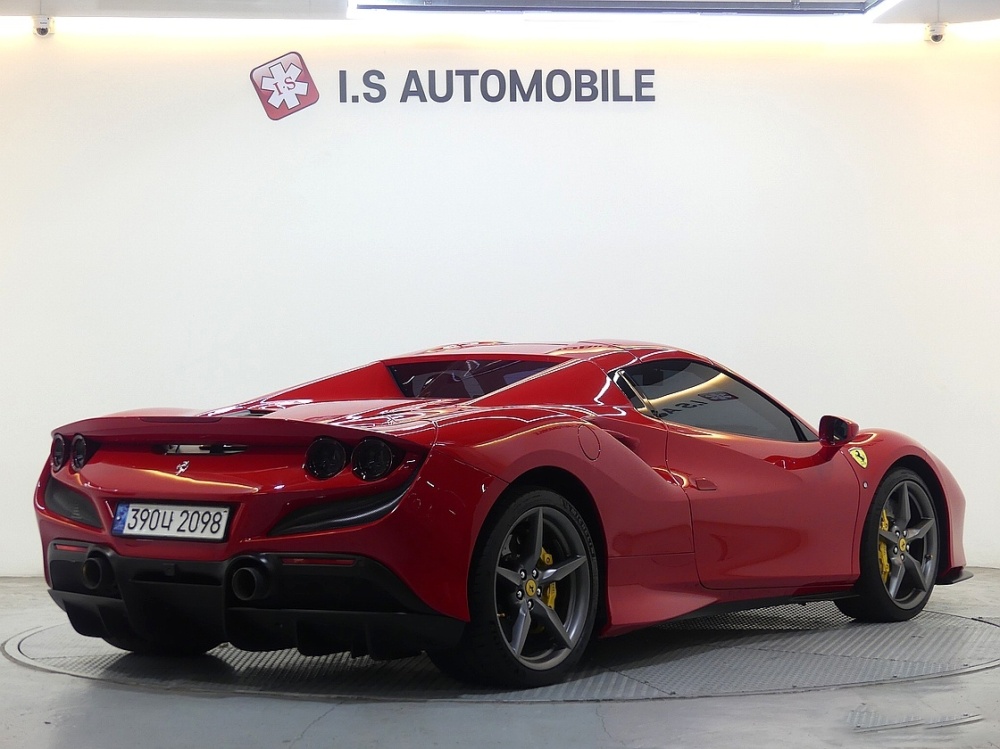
(461, 378)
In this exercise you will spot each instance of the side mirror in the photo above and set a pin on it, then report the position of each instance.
(834, 430)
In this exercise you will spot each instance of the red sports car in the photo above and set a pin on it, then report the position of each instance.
(494, 505)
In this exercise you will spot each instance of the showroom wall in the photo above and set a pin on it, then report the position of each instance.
(821, 215)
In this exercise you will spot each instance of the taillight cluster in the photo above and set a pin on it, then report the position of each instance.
(325, 458)
(76, 454)
(371, 459)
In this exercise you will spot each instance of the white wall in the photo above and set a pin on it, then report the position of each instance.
(823, 217)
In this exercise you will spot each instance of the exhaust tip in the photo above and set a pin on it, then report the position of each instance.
(98, 573)
(250, 584)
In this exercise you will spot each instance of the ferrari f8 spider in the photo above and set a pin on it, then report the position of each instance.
(494, 505)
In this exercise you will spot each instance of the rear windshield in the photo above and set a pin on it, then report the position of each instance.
(461, 378)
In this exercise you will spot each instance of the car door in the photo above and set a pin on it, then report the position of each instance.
(771, 506)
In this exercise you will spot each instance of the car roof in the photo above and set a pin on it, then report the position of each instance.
(586, 350)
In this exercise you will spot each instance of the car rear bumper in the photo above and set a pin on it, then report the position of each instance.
(317, 603)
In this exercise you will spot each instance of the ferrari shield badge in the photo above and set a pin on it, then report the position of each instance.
(859, 455)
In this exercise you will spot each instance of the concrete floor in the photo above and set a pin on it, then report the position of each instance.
(44, 709)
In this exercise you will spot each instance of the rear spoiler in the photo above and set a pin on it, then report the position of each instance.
(245, 430)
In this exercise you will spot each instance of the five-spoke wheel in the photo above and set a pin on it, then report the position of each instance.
(532, 595)
(899, 551)
(543, 605)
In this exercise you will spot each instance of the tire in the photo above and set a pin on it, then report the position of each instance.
(899, 552)
(533, 595)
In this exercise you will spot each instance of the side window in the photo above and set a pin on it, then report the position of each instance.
(626, 387)
(686, 392)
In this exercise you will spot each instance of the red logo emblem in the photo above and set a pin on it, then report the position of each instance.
(284, 85)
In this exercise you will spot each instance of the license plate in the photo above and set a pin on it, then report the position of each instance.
(151, 520)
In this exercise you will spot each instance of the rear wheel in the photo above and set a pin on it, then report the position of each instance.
(899, 552)
(533, 592)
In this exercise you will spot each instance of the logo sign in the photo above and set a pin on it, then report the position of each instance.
(181, 467)
(495, 86)
(859, 455)
(284, 85)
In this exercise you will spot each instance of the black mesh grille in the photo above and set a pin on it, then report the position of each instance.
(340, 512)
(62, 500)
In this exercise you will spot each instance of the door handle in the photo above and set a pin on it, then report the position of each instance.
(703, 484)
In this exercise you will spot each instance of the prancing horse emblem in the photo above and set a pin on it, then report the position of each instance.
(181, 467)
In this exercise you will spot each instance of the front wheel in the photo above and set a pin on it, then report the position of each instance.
(899, 552)
(533, 592)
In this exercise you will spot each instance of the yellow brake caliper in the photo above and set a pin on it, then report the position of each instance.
(549, 594)
(883, 550)
(549, 591)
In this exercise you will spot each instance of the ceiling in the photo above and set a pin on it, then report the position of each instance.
(882, 11)
(950, 11)
(732, 7)
(319, 9)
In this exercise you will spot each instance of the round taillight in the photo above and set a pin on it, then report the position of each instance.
(373, 459)
(78, 452)
(325, 458)
(57, 456)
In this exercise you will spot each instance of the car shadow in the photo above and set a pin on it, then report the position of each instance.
(339, 675)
